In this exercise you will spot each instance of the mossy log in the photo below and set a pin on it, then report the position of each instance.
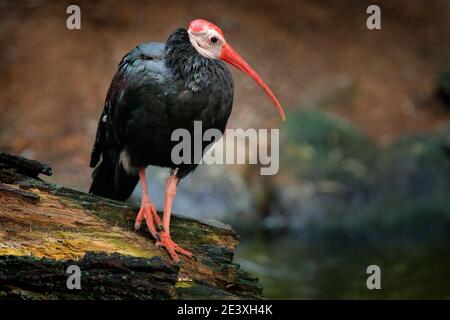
(44, 228)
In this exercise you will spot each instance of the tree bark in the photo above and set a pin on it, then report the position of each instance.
(44, 228)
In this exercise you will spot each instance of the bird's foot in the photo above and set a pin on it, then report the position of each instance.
(171, 247)
(149, 213)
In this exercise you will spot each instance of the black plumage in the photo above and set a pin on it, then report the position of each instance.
(157, 89)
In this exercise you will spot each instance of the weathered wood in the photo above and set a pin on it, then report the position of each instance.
(45, 227)
(109, 276)
(28, 167)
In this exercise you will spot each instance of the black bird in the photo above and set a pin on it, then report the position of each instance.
(159, 88)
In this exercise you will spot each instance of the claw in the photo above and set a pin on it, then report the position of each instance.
(157, 219)
(172, 248)
(147, 212)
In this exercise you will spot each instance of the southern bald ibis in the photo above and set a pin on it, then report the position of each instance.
(158, 88)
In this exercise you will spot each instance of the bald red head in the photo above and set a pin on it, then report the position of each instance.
(200, 25)
(208, 40)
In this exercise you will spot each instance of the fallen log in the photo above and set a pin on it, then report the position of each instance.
(45, 228)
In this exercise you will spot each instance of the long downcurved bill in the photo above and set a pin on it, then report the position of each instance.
(232, 57)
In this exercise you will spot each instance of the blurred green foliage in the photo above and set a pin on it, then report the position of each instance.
(392, 209)
(323, 146)
(401, 191)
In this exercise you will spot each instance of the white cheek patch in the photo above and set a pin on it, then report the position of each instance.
(199, 43)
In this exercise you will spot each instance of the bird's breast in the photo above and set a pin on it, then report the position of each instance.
(158, 113)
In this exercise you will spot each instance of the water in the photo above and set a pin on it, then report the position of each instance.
(292, 269)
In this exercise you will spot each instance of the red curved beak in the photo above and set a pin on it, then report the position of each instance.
(232, 57)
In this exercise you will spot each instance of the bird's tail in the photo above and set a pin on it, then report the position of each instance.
(110, 180)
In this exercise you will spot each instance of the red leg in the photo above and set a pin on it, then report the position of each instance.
(148, 210)
(164, 236)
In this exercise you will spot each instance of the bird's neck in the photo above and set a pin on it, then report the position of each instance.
(186, 63)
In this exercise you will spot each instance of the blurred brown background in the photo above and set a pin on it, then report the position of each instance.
(364, 155)
(53, 81)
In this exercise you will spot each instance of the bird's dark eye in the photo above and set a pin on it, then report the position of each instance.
(213, 39)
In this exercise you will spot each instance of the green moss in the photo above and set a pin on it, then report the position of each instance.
(184, 284)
